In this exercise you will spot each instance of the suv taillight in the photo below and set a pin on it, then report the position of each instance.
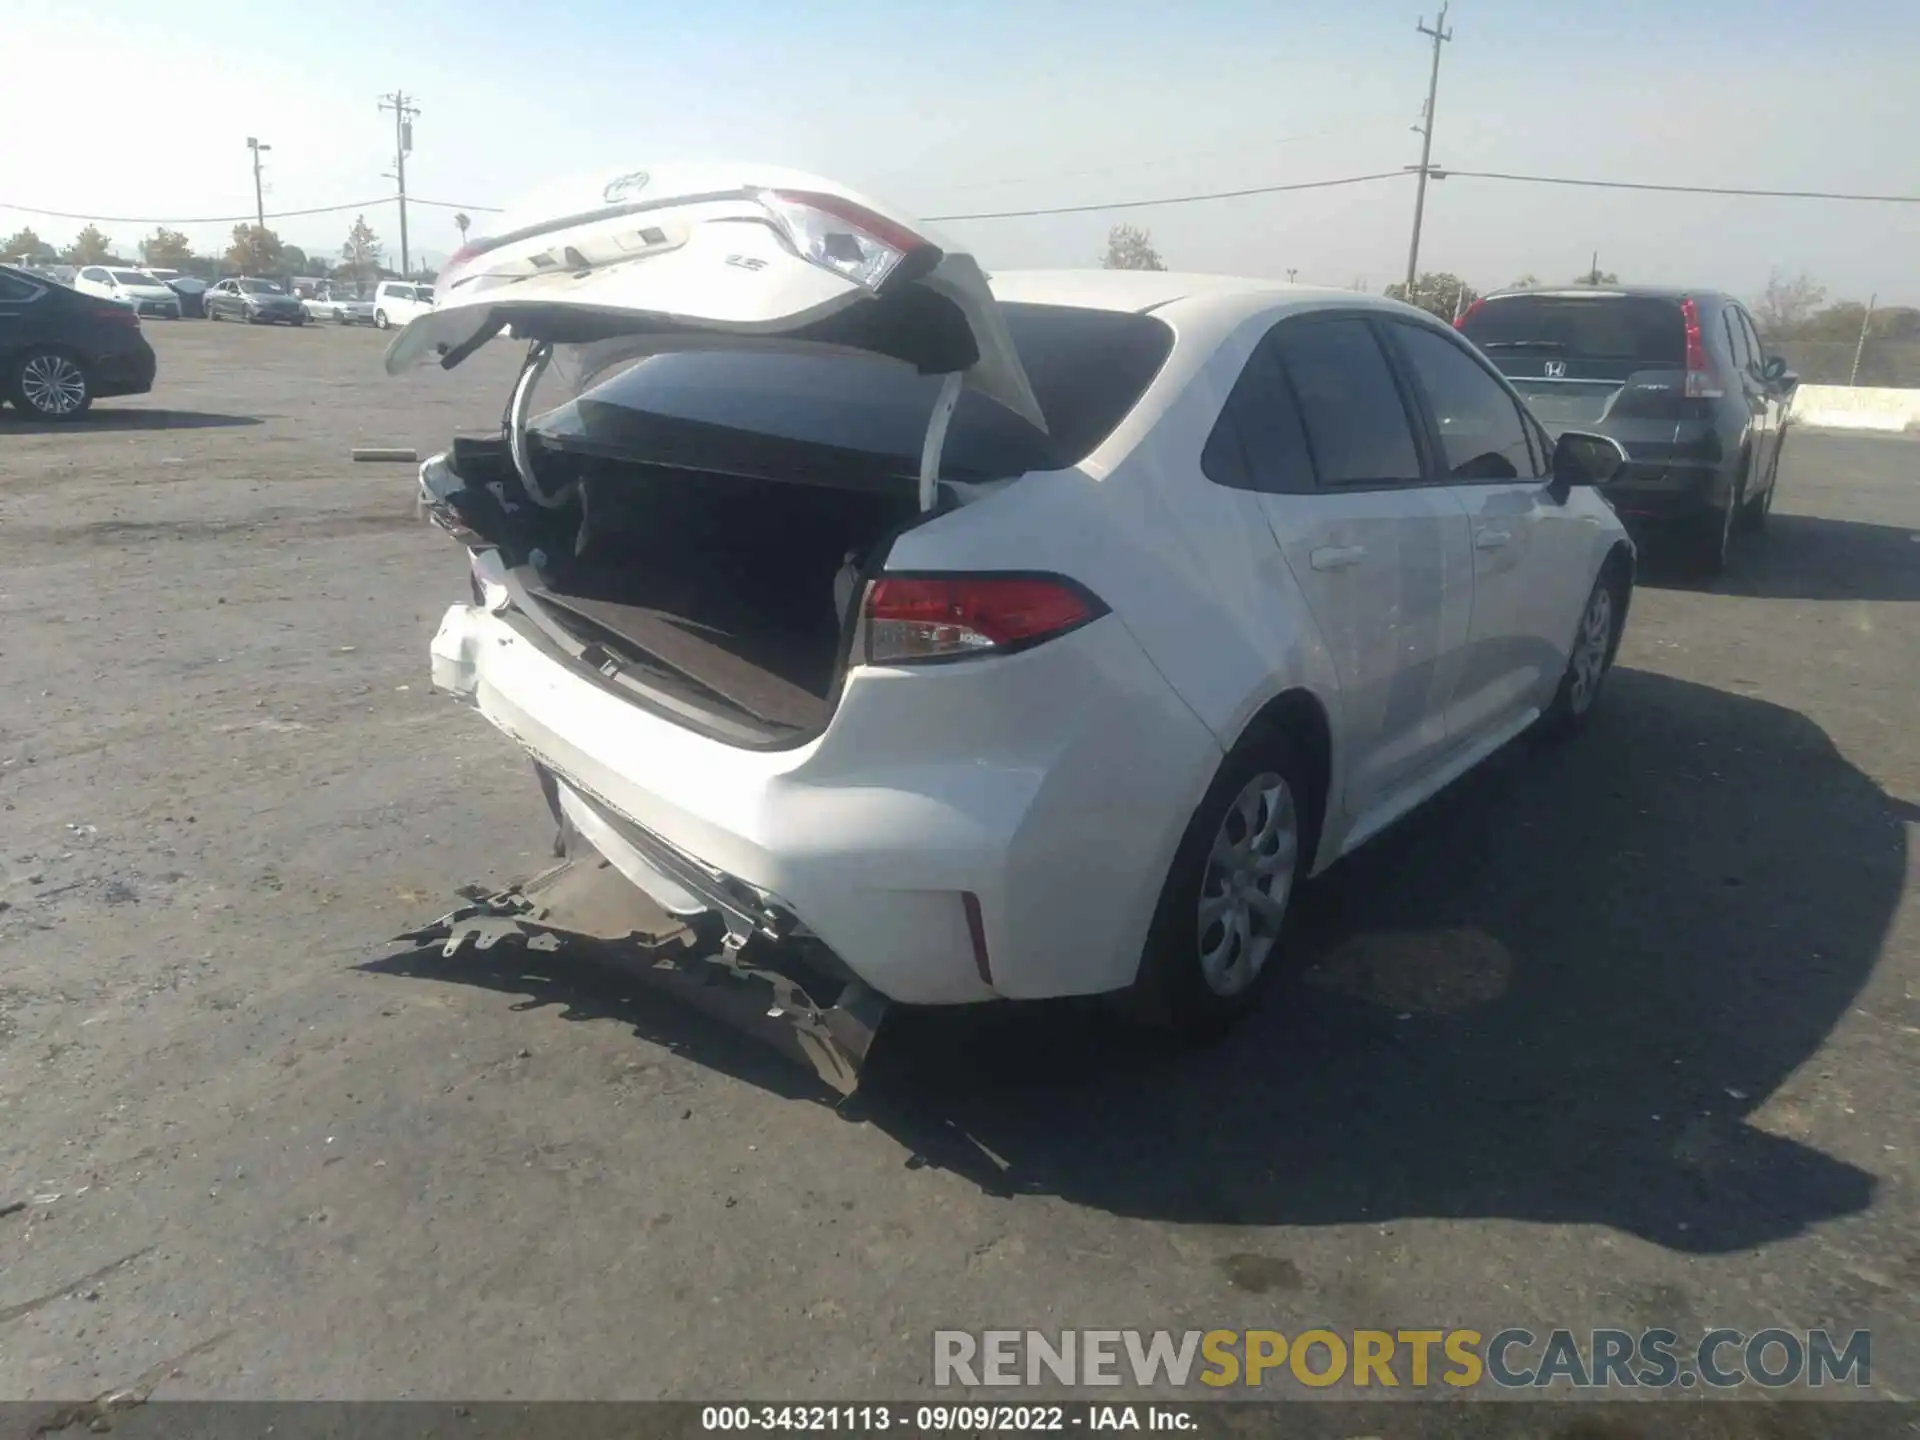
(948, 617)
(1703, 381)
(1467, 314)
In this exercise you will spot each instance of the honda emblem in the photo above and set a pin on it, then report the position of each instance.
(1556, 369)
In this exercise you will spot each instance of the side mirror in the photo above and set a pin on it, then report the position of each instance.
(1580, 458)
(1774, 371)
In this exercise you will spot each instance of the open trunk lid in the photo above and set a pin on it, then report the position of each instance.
(712, 256)
(1589, 359)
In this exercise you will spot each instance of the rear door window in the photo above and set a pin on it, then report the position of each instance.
(1356, 421)
(1260, 442)
(1479, 424)
(1755, 349)
(1088, 369)
(1736, 339)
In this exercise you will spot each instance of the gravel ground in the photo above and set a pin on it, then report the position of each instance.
(1620, 1033)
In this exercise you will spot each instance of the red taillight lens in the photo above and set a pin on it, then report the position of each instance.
(838, 235)
(1703, 381)
(946, 617)
(1467, 314)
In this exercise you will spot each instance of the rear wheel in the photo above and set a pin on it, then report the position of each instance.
(1591, 657)
(50, 385)
(1216, 935)
(1709, 535)
(1753, 515)
(380, 321)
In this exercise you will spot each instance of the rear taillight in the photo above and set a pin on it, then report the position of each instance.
(1467, 314)
(1703, 381)
(848, 239)
(947, 617)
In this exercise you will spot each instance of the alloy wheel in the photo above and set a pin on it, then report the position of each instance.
(53, 385)
(1246, 884)
(1590, 649)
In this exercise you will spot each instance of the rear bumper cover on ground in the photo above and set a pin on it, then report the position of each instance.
(1050, 785)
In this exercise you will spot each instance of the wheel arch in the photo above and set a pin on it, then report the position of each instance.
(1620, 563)
(1300, 715)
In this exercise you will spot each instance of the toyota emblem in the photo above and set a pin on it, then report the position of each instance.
(626, 185)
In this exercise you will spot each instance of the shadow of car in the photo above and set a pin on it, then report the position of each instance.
(1559, 994)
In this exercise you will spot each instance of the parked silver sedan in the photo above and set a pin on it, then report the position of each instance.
(342, 306)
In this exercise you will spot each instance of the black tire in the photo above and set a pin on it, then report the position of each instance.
(1596, 639)
(1708, 537)
(380, 321)
(29, 378)
(1172, 991)
(1753, 514)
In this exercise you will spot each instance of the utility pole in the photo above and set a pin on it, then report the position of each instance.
(1424, 130)
(404, 111)
(259, 204)
(1861, 348)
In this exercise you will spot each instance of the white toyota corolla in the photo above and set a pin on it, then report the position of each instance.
(1021, 636)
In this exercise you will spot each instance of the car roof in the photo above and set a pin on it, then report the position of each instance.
(1202, 307)
(1610, 292)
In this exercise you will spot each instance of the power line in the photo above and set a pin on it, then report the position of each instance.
(1168, 199)
(1681, 189)
(1438, 171)
(196, 219)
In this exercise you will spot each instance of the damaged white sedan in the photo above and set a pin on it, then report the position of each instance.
(946, 640)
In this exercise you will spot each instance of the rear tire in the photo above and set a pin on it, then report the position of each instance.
(1218, 934)
(48, 383)
(1590, 658)
(1709, 535)
(1753, 515)
(380, 321)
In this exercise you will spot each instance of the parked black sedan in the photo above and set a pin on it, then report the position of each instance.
(61, 350)
(1679, 377)
(258, 302)
(192, 292)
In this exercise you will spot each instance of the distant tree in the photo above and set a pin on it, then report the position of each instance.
(1525, 282)
(1787, 303)
(166, 249)
(89, 247)
(463, 221)
(256, 250)
(1131, 248)
(293, 260)
(1437, 292)
(25, 247)
(1596, 277)
(360, 256)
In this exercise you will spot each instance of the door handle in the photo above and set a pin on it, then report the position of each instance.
(1337, 557)
(1491, 539)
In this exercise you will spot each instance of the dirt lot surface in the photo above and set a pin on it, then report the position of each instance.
(1621, 1033)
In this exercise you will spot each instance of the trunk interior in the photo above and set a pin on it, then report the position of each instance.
(718, 584)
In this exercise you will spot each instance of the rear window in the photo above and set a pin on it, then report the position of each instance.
(1598, 327)
(133, 277)
(1088, 368)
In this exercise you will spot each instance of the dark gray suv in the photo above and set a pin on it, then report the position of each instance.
(1679, 377)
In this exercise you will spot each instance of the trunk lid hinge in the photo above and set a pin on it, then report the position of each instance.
(936, 438)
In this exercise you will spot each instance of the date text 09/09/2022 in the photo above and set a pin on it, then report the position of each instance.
(924, 1419)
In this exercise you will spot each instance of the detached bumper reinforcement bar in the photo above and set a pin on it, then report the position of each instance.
(830, 1022)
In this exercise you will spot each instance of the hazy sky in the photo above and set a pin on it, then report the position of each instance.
(952, 108)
